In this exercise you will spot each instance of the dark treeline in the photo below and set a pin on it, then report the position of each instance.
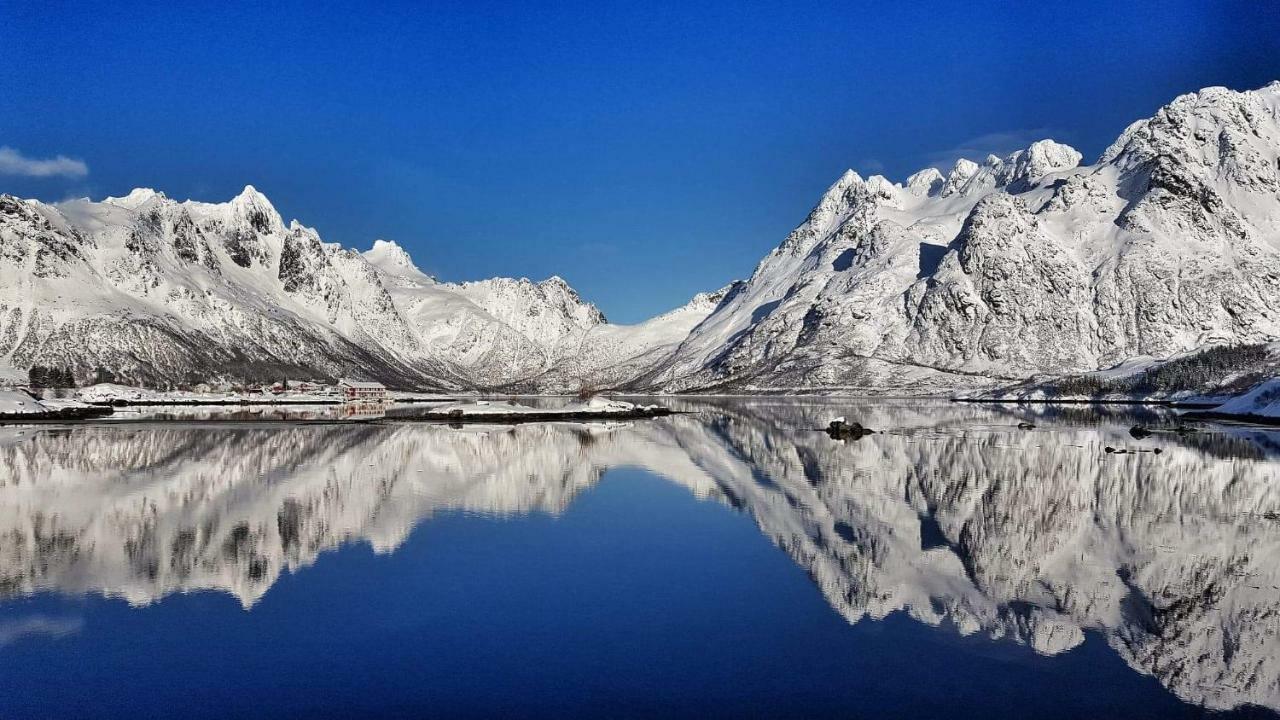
(55, 377)
(1205, 370)
(50, 377)
(41, 376)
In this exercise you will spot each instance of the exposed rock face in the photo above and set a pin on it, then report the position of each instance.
(955, 517)
(163, 292)
(1022, 265)
(1009, 297)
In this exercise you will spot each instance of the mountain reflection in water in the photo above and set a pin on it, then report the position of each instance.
(952, 514)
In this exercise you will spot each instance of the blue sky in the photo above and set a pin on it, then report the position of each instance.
(643, 151)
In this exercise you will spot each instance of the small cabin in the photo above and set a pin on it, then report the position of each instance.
(361, 390)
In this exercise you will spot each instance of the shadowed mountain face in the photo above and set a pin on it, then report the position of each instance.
(952, 515)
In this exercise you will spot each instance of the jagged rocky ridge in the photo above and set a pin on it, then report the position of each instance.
(1023, 265)
(956, 516)
(159, 292)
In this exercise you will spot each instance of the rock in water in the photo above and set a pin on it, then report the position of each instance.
(1139, 432)
(840, 429)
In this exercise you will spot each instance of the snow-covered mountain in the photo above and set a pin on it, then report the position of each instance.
(519, 335)
(159, 291)
(1023, 265)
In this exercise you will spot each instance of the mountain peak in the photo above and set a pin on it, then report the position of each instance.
(253, 208)
(847, 180)
(390, 249)
(925, 182)
(251, 196)
(1025, 167)
(136, 198)
(388, 256)
(961, 173)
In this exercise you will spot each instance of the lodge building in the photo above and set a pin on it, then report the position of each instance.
(361, 390)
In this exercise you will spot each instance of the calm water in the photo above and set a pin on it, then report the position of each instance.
(730, 563)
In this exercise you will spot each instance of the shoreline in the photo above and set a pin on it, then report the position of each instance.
(59, 415)
(229, 402)
(1245, 419)
(541, 416)
(1177, 404)
(104, 414)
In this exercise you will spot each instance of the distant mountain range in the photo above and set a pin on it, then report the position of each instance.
(1023, 265)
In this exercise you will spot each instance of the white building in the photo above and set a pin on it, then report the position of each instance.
(361, 390)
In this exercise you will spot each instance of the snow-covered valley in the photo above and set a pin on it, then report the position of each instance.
(996, 271)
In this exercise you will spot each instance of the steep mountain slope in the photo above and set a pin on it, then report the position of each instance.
(1024, 264)
(517, 335)
(496, 329)
(612, 356)
(160, 291)
(164, 292)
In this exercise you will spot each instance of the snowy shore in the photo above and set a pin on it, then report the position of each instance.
(487, 411)
(1260, 406)
(1257, 403)
(99, 400)
(18, 405)
(128, 396)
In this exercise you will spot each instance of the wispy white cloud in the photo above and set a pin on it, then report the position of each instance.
(13, 162)
(978, 148)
